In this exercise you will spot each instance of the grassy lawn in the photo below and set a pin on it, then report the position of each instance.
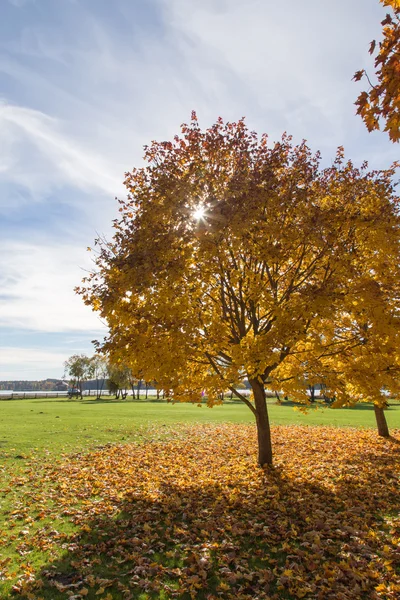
(142, 500)
(62, 425)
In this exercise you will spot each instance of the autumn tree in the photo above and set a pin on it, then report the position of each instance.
(79, 368)
(237, 259)
(355, 356)
(120, 378)
(382, 101)
(99, 365)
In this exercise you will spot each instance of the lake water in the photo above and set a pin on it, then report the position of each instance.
(150, 392)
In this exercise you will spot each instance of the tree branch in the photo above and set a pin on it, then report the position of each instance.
(230, 387)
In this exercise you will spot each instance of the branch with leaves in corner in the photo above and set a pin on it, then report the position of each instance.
(382, 102)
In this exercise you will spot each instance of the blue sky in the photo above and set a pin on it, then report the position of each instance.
(84, 84)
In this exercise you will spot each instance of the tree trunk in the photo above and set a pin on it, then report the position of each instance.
(383, 429)
(312, 392)
(263, 427)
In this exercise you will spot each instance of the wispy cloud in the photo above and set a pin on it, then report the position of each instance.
(19, 3)
(37, 284)
(57, 160)
(27, 363)
(290, 63)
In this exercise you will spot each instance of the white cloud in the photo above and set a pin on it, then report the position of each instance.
(294, 61)
(37, 155)
(37, 288)
(31, 363)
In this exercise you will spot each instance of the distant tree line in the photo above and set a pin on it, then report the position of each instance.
(24, 385)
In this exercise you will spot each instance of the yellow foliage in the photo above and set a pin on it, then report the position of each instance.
(288, 276)
(381, 102)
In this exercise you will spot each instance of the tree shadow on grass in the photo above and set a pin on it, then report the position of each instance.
(64, 400)
(84, 400)
(267, 536)
(320, 404)
(149, 400)
(365, 406)
(129, 400)
(106, 401)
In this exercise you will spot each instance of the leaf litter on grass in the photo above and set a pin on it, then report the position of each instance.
(189, 514)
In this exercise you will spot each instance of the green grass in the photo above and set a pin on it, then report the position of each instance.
(61, 425)
(34, 432)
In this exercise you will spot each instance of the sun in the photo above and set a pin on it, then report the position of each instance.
(199, 213)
